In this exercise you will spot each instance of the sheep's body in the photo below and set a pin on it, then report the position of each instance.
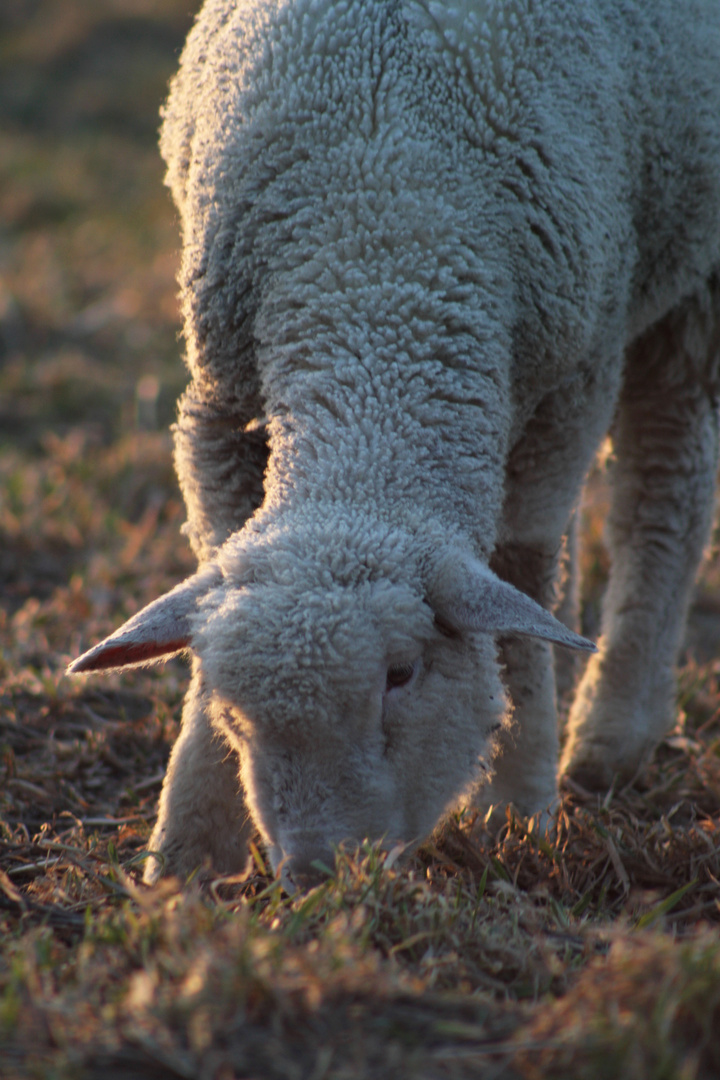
(430, 252)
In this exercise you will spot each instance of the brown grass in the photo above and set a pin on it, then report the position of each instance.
(591, 951)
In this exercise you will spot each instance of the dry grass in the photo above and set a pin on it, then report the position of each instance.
(592, 951)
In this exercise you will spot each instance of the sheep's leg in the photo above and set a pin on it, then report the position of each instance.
(202, 815)
(544, 477)
(567, 661)
(666, 443)
(525, 766)
(220, 457)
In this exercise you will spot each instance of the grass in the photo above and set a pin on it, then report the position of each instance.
(591, 951)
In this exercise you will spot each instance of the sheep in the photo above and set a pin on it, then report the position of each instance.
(432, 254)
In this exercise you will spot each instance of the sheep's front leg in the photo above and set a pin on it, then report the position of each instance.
(202, 814)
(525, 765)
(544, 478)
(220, 457)
(525, 768)
(665, 441)
(567, 661)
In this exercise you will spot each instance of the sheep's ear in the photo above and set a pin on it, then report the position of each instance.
(159, 630)
(466, 595)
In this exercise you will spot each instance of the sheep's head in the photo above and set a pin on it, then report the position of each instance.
(355, 675)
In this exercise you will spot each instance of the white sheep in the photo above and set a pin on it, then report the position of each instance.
(432, 253)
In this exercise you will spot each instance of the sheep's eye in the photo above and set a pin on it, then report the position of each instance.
(399, 675)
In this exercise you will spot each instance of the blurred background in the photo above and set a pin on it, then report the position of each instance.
(89, 243)
(89, 349)
(90, 368)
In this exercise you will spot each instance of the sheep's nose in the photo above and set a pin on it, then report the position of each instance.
(302, 867)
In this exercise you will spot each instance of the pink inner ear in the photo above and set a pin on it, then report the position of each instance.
(131, 653)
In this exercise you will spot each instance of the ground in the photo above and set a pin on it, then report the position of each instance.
(592, 951)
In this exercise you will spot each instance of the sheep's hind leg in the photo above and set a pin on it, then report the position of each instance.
(202, 817)
(665, 439)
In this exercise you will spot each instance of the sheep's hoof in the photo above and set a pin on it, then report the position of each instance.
(596, 775)
(588, 778)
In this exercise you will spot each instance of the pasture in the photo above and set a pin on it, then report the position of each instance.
(591, 951)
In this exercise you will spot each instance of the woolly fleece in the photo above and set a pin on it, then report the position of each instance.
(432, 252)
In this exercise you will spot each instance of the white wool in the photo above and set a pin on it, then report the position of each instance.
(431, 251)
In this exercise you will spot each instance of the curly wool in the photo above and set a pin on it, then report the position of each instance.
(431, 253)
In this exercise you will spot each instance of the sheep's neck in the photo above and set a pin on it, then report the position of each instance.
(394, 432)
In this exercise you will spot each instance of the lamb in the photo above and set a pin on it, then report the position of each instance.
(432, 253)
